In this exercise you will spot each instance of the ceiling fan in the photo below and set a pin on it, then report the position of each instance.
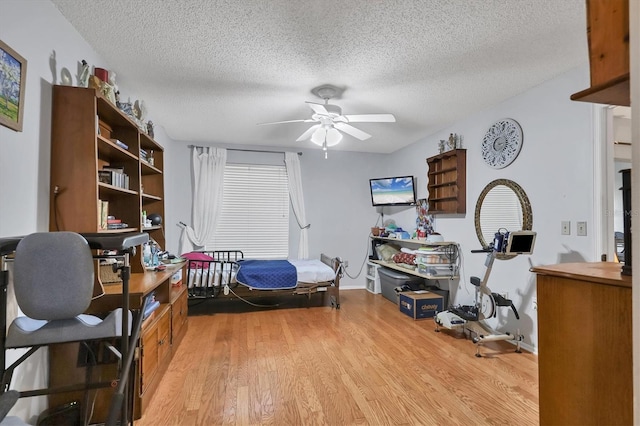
(330, 122)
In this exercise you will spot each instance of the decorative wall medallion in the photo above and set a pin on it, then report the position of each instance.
(502, 143)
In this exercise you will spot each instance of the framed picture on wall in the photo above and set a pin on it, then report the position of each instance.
(13, 75)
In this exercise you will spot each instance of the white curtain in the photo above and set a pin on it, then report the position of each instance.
(208, 173)
(294, 176)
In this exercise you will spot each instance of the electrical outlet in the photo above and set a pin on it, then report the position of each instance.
(566, 227)
(581, 229)
(346, 263)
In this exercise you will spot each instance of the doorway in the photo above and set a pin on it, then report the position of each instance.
(617, 157)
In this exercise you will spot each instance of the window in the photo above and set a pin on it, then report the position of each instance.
(255, 212)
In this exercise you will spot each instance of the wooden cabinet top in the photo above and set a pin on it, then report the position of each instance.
(608, 43)
(608, 273)
(447, 154)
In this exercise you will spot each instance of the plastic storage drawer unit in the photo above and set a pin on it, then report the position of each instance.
(390, 279)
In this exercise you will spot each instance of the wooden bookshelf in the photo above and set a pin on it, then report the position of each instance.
(84, 129)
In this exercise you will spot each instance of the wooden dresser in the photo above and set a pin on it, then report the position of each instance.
(584, 344)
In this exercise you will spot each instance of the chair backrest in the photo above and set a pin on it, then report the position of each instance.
(53, 275)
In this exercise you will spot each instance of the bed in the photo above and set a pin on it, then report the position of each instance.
(212, 274)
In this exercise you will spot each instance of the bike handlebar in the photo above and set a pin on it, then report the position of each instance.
(484, 250)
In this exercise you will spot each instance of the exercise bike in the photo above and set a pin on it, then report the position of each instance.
(486, 303)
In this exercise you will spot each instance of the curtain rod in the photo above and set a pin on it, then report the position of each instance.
(248, 150)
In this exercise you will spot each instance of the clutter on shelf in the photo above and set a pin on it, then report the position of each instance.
(424, 220)
(104, 81)
(453, 142)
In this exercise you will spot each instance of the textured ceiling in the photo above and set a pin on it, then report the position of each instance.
(209, 71)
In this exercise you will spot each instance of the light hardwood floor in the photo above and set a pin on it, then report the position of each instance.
(366, 363)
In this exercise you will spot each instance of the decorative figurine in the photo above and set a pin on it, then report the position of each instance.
(139, 110)
(441, 145)
(108, 92)
(83, 77)
(150, 128)
(112, 82)
(452, 141)
(126, 107)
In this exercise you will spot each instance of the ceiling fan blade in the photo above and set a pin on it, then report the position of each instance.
(308, 133)
(350, 130)
(288, 121)
(318, 108)
(370, 118)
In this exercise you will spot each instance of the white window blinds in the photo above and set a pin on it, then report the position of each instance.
(255, 212)
(500, 209)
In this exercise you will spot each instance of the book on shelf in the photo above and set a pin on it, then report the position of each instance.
(104, 213)
(120, 144)
(117, 169)
(105, 176)
(117, 225)
(114, 176)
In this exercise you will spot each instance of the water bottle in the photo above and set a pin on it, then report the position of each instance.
(146, 254)
(154, 257)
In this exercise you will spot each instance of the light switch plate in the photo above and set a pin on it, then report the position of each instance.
(565, 227)
(581, 228)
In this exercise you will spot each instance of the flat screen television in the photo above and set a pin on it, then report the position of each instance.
(393, 191)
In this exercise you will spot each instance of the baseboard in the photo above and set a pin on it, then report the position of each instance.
(352, 287)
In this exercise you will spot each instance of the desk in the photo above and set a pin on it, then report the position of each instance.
(584, 344)
(161, 333)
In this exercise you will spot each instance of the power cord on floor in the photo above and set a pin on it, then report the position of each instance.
(366, 256)
(257, 305)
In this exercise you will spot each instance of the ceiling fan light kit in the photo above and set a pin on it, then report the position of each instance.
(331, 123)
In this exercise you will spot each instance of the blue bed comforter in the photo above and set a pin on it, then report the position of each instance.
(267, 274)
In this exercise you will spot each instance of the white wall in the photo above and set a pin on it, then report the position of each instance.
(554, 167)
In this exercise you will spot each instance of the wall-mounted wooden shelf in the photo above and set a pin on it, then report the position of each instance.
(447, 185)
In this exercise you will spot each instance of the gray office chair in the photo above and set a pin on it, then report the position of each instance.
(53, 285)
(53, 280)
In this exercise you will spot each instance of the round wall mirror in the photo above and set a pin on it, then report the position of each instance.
(502, 204)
